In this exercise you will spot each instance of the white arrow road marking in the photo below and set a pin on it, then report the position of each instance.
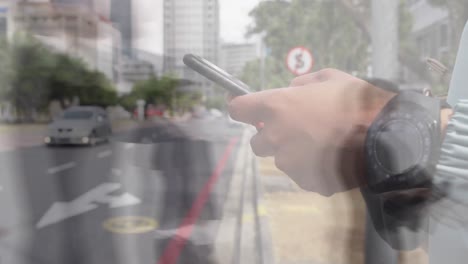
(62, 167)
(104, 154)
(89, 201)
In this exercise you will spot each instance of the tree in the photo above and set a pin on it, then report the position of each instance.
(324, 27)
(157, 91)
(31, 65)
(336, 31)
(31, 76)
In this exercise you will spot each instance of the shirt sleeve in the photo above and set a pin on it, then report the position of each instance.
(449, 201)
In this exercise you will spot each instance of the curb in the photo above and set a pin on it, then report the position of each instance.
(244, 235)
(264, 238)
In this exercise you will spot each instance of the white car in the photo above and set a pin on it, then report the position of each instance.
(79, 126)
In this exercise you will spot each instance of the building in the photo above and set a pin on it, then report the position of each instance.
(132, 72)
(191, 26)
(431, 29)
(233, 57)
(156, 60)
(74, 30)
(100, 7)
(122, 17)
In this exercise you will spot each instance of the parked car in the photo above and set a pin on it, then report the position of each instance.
(79, 125)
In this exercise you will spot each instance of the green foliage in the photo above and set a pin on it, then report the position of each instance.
(157, 91)
(324, 27)
(162, 92)
(31, 76)
(336, 31)
(275, 74)
(216, 103)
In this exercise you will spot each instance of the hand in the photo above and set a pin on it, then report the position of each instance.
(316, 128)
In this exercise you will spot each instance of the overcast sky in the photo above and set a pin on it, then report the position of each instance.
(149, 33)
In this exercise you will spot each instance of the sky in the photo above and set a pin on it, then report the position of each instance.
(149, 32)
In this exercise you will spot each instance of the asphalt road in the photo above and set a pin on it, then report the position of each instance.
(152, 195)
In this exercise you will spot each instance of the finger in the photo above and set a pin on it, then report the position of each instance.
(261, 145)
(316, 77)
(229, 97)
(252, 108)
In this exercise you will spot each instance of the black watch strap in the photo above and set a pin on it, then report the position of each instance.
(403, 143)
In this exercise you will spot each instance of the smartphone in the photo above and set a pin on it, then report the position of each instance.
(212, 72)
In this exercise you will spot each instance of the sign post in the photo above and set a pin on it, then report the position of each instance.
(299, 61)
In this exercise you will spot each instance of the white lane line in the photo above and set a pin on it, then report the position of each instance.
(62, 167)
(117, 172)
(104, 154)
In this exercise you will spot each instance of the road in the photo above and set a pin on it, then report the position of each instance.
(152, 195)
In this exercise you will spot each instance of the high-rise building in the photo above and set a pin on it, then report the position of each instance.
(121, 16)
(101, 7)
(74, 30)
(190, 26)
(234, 57)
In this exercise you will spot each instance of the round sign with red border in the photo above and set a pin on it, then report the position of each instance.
(300, 61)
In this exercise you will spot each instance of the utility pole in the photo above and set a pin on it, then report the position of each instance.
(385, 39)
(385, 65)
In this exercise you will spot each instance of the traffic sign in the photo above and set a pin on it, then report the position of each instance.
(299, 61)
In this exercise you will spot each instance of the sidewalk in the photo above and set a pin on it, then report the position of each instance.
(308, 228)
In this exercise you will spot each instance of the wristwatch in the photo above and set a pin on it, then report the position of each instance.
(403, 144)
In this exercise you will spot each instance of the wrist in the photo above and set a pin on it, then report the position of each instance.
(445, 115)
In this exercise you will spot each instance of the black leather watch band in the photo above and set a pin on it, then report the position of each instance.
(403, 143)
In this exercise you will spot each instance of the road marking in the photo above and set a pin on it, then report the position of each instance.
(117, 172)
(130, 225)
(62, 167)
(104, 154)
(172, 252)
(89, 201)
(1, 188)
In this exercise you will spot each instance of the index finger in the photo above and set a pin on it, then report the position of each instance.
(252, 108)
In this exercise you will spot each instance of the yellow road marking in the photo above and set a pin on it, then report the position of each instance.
(130, 225)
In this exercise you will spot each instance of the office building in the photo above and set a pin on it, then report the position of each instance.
(100, 7)
(191, 26)
(122, 17)
(74, 30)
(431, 28)
(234, 57)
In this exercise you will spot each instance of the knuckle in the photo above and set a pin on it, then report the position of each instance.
(325, 74)
(296, 81)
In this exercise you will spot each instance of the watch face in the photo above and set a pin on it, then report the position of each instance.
(399, 148)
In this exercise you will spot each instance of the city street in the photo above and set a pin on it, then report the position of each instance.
(152, 195)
